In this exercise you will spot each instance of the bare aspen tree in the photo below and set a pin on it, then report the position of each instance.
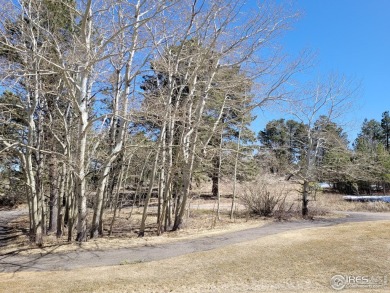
(122, 88)
(23, 43)
(76, 68)
(236, 161)
(320, 107)
(187, 70)
(131, 56)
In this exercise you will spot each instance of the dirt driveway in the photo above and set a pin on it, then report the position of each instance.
(81, 259)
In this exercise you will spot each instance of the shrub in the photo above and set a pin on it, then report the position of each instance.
(258, 199)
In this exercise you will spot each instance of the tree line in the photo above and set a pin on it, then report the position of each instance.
(362, 167)
(115, 102)
(100, 96)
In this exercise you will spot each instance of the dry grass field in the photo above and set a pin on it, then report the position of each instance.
(201, 219)
(296, 261)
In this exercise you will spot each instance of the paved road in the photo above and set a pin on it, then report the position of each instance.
(80, 259)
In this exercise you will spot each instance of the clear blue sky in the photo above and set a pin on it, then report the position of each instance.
(350, 37)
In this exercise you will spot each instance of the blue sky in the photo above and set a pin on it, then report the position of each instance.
(350, 37)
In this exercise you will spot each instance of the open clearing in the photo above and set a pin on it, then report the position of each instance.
(296, 260)
(244, 255)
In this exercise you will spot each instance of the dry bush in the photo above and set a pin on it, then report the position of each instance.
(287, 209)
(259, 199)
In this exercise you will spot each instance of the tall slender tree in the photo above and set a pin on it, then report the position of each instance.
(385, 124)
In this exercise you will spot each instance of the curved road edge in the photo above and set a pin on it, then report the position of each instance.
(83, 259)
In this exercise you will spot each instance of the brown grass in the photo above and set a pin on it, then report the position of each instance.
(295, 261)
(200, 221)
(322, 202)
(335, 202)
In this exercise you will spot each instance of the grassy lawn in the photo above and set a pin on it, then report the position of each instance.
(303, 260)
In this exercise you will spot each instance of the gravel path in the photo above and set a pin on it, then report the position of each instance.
(82, 259)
